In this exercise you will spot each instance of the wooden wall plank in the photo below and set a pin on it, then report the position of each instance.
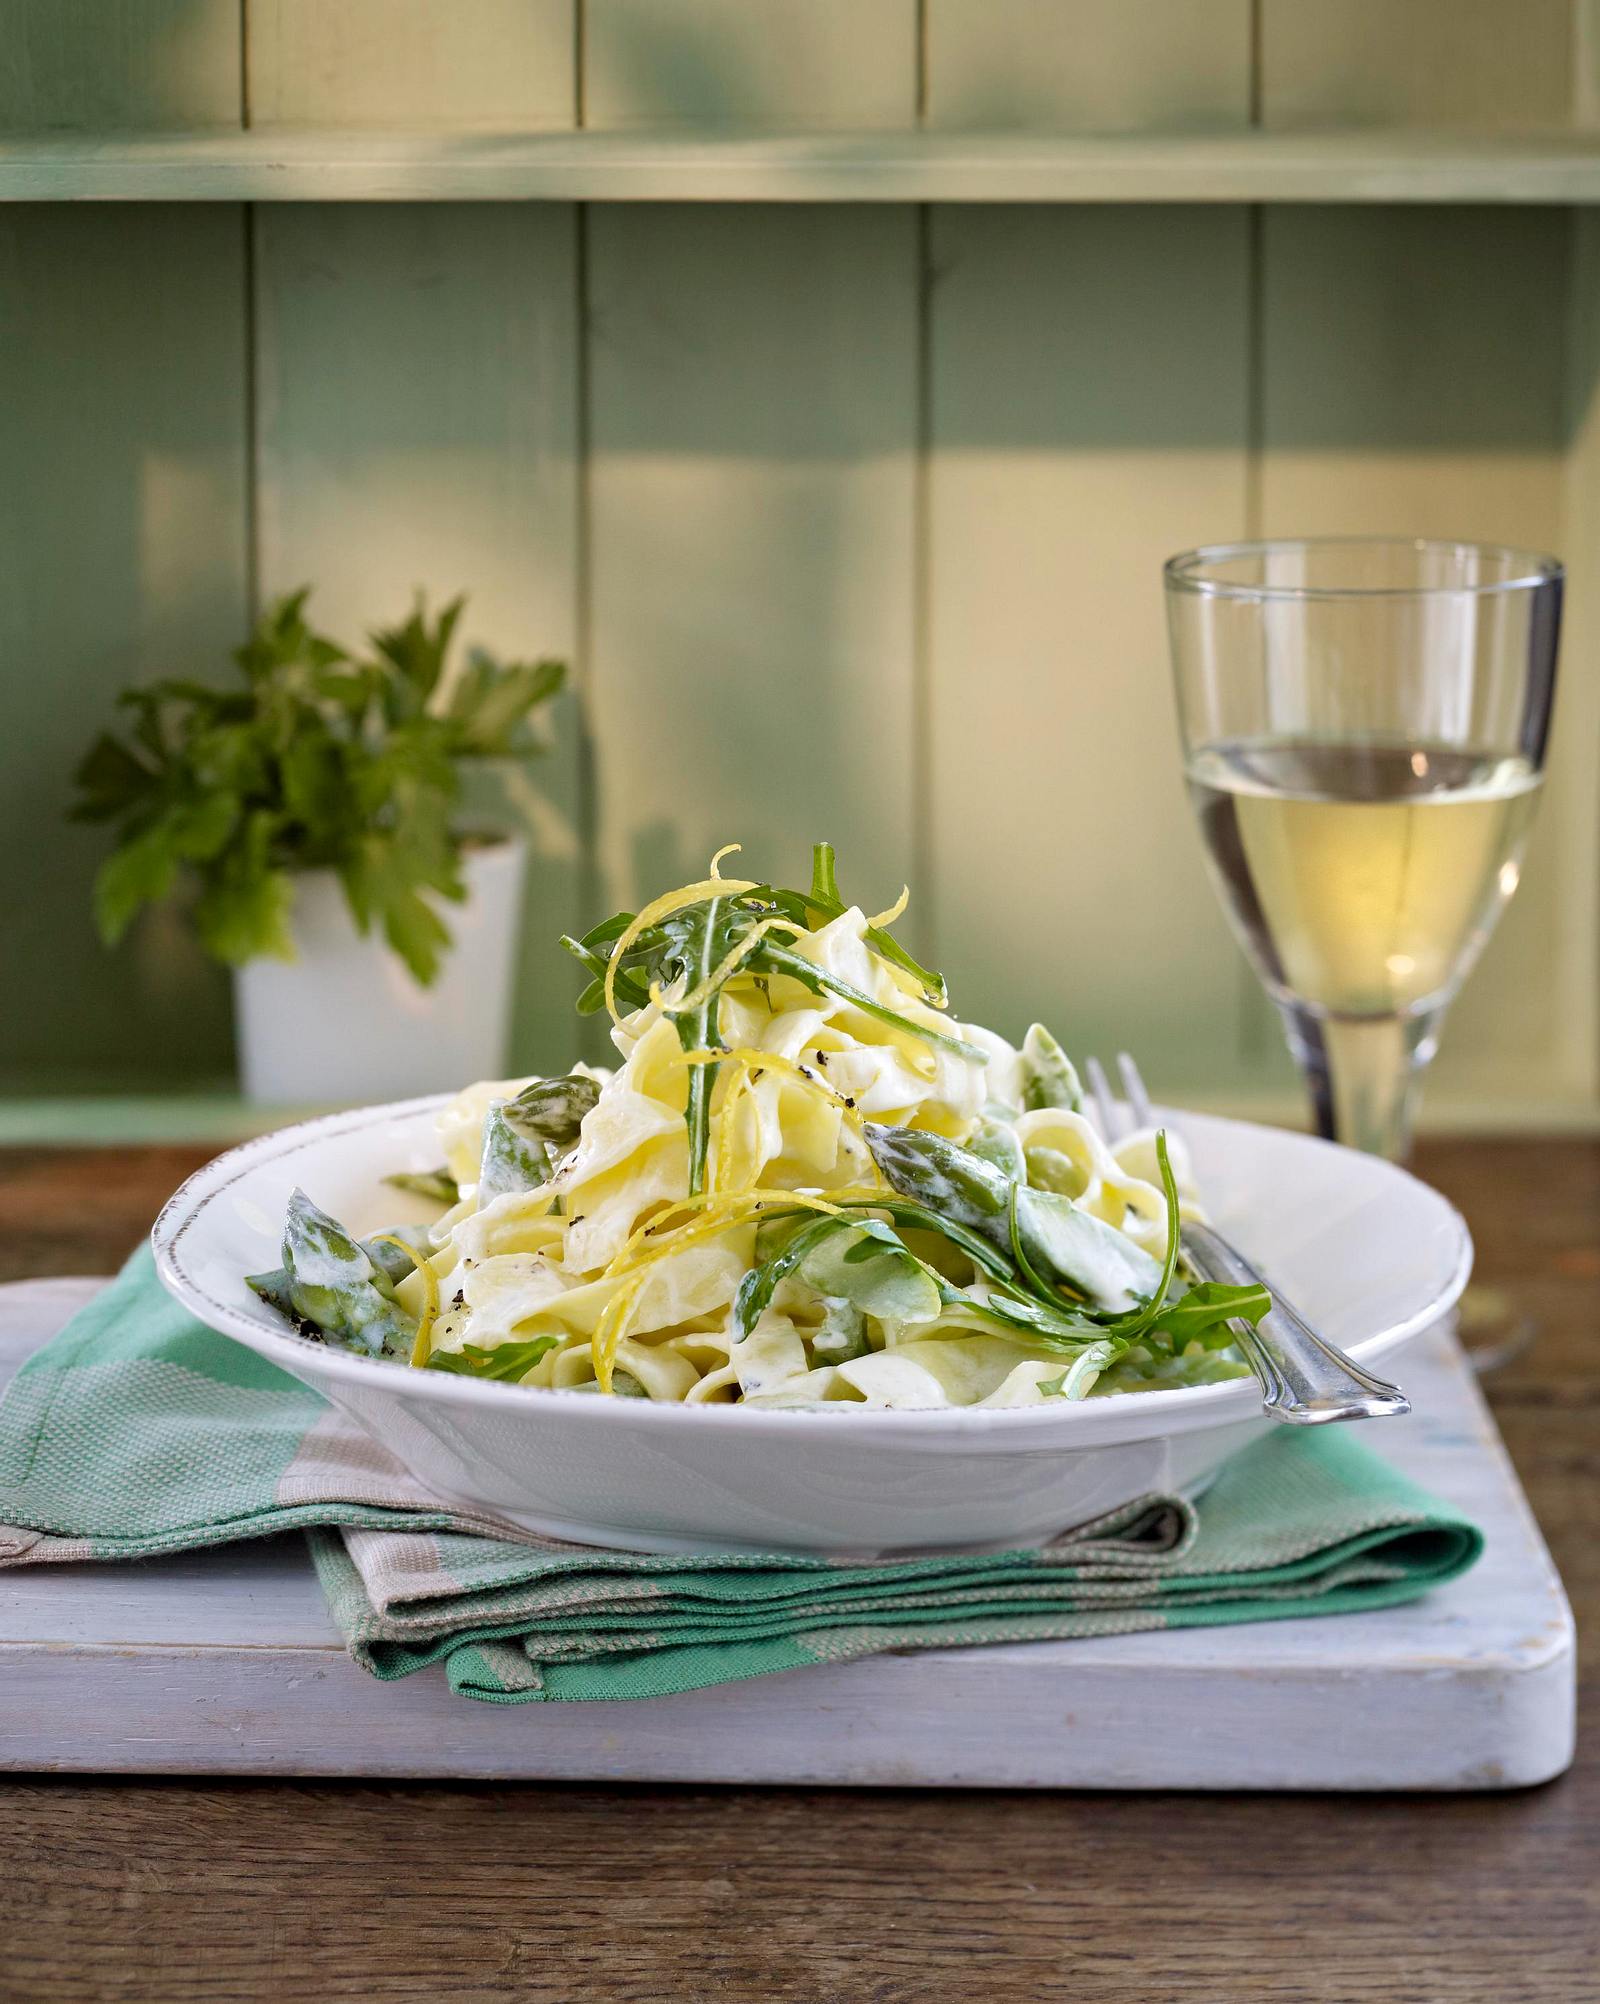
(753, 420)
(385, 63)
(122, 556)
(1572, 813)
(118, 65)
(417, 427)
(795, 63)
(1483, 64)
(1413, 382)
(1088, 420)
(1586, 63)
(1088, 65)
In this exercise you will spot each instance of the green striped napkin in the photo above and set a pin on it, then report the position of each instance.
(138, 1431)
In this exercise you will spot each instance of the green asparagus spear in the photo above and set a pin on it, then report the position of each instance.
(334, 1284)
(1049, 1077)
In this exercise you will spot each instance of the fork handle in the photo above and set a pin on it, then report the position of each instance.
(1305, 1379)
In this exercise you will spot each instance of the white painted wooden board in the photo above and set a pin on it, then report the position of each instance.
(226, 1662)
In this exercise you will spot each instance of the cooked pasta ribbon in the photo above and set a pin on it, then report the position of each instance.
(803, 1184)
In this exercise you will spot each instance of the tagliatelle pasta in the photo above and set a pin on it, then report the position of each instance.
(804, 1184)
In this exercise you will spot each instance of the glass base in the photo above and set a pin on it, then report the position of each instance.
(1363, 1073)
(1492, 1330)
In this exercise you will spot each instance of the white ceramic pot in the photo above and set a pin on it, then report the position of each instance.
(346, 1020)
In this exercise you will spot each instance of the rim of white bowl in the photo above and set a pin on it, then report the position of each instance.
(1175, 1409)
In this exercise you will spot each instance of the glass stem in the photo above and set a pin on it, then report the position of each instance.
(1363, 1074)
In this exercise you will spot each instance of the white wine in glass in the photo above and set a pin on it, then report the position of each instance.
(1364, 727)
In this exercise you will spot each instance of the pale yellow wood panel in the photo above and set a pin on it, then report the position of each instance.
(1089, 419)
(752, 490)
(1413, 371)
(117, 65)
(1586, 63)
(416, 389)
(1494, 65)
(464, 64)
(1088, 65)
(122, 557)
(1572, 816)
(800, 63)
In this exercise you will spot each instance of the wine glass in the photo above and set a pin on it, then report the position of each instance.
(1364, 722)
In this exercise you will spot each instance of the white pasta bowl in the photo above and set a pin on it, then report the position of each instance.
(1369, 1253)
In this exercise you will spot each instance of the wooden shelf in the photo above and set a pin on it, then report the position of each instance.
(800, 167)
(132, 1120)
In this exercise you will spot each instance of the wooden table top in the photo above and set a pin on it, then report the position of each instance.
(232, 1890)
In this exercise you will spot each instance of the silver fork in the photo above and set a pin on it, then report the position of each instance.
(1304, 1378)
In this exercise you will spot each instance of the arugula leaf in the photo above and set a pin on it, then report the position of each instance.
(912, 1216)
(633, 994)
(825, 902)
(771, 958)
(680, 953)
(701, 942)
(865, 1263)
(1204, 1312)
(1053, 1326)
(1143, 1317)
(858, 1260)
(507, 1362)
(1076, 1380)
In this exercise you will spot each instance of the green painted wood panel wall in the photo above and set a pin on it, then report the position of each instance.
(849, 518)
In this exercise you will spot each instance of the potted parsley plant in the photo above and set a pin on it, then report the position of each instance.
(309, 815)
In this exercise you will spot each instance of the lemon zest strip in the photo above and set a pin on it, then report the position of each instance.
(660, 908)
(729, 964)
(721, 1215)
(888, 917)
(751, 1061)
(422, 1342)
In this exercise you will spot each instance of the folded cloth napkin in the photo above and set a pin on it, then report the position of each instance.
(139, 1431)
